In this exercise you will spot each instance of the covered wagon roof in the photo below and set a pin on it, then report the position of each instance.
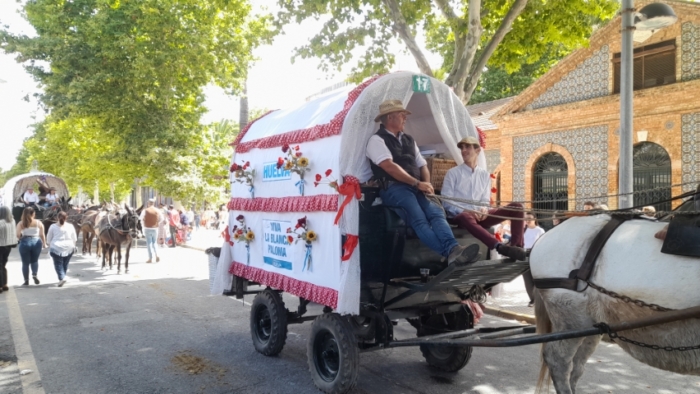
(16, 186)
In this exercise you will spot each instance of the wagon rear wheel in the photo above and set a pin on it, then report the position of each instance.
(446, 358)
(332, 354)
(268, 323)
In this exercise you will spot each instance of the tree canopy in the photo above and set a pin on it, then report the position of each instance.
(470, 35)
(122, 81)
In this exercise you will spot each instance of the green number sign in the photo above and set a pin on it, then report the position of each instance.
(421, 84)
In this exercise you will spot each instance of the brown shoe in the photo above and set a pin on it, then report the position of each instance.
(512, 252)
(149, 261)
(157, 259)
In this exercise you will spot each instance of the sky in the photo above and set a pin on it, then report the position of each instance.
(273, 81)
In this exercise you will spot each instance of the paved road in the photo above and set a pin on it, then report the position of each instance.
(155, 330)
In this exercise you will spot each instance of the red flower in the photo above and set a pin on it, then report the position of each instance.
(494, 190)
(234, 167)
(301, 222)
(247, 164)
(235, 228)
(290, 239)
(328, 172)
(289, 230)
(296, 147)
(239, 218)
(280, 162)
(318, 177)
(239, 232)
(315, 184)
(493, 176)
(285, 148)
(298, 154)
(297, 226)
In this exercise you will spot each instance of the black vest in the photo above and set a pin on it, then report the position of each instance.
(403, 154)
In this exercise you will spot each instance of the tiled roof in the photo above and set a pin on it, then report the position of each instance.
(481, 113)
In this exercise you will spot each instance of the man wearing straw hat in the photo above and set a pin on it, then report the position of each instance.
(403, 174)
(472, 185)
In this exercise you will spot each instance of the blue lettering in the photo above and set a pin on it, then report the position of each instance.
(272, 173)
(277, 250)
(276, 227)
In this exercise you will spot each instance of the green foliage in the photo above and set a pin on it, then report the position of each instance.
(124, 86)
(358, 32)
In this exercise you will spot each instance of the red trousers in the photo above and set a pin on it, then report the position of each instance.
(479, 229)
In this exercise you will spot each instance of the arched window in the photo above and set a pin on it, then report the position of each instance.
(652, 170)
(550, 185)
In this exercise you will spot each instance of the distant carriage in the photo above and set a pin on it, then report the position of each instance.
(41, 181)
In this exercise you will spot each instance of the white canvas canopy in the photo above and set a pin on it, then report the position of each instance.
(331, 131)
(16, 186)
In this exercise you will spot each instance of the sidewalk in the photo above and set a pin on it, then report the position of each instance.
(203, 239)
(512, 302)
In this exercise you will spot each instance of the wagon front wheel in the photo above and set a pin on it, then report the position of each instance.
(332, 353)
(268, 323)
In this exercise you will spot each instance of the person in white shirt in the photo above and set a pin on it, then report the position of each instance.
(470, 182)
(30, 198)
(532, 233)
(61, 239)
(51, 199)
(403, 174)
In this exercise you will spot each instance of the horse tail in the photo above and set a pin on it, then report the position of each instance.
(544, 326)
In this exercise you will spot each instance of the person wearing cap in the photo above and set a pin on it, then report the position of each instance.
(51, 199)
(404, 178)
(30, 199)
(150, 218)
(472, 183)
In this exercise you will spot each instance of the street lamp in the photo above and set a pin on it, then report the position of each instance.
(652, 17)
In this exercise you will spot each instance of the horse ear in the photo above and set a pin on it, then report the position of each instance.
(68, 200)
(127, 208)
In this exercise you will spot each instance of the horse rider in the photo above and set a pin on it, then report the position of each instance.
(468, 181)
(404, 178)
(30, 199)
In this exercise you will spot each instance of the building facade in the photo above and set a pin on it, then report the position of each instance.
(559, 139)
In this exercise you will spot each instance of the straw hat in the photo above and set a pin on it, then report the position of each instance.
(390, 106)
(468, 140)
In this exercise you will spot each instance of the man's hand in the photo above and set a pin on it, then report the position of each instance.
(425, 187)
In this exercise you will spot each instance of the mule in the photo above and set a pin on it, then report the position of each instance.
(116, 230)
(630, 264)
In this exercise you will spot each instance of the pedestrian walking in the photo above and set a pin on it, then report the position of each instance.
(173, 223)
(31, 240)
(532, 233)
(197, 219)
(8, 240)
(162, 224)
(61, 239)
(184, 225)
(150, 221)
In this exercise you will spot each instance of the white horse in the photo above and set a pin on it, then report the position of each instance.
(630, 264)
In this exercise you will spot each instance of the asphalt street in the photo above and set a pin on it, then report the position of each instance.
(157, 330)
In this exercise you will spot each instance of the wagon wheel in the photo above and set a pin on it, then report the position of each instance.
(268, 323)
(332, 353)
(446, 358)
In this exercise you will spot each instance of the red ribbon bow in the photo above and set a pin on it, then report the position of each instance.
(350, 187)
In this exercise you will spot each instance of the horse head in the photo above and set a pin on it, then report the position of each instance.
(131, 222)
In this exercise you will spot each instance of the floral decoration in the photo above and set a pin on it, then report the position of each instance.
(243, 234)
(327, 180)
(242, 174)
(302, 232)
(294, 162)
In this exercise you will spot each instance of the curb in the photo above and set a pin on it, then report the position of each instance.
(504, 313)
(192, 247)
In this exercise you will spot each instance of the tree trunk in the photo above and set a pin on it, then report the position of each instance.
(405, 34)
(243, 110)
(473, 38)
(470, 84)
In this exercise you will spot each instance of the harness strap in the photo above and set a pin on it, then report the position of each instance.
(584, 273)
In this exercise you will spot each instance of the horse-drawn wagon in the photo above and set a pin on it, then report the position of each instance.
(303, 221)
(14, 189)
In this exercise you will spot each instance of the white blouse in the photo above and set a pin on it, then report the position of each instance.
(62, 239)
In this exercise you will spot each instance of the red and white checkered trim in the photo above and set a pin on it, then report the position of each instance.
(247, 127)
(320, 203)
(318, 294)
(313, 133)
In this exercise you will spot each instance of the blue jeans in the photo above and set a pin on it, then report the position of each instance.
(151, 236)
(425, 217)
(29, 251)
(61, 264)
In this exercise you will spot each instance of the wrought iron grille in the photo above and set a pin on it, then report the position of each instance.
(652, 170)
(550, 186)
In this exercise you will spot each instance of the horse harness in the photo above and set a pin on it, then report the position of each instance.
(584, 273)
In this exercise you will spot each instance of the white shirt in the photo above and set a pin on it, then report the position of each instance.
(531, 235)
(30, 197)
(61, 239)
(51, 197)
(464, 183)
(377, 150)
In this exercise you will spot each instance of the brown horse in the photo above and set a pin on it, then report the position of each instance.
(50, 215)
(116, 230)
(88, 227)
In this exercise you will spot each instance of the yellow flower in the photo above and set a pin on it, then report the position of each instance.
(303, 162)
(288, 165)
(249, 236)
(236, 236)
(311, 236)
